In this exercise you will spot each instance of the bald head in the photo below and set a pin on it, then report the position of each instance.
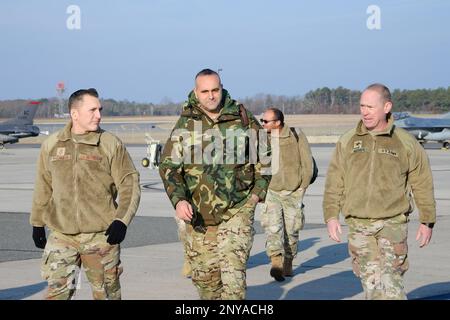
(208, 90)
(272, 119)
(382, 90)
(375, 106)
(207, 72)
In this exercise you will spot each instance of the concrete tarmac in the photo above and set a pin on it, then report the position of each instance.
(152, 255)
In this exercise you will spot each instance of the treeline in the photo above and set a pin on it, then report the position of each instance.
(320, 101)
(52, 108)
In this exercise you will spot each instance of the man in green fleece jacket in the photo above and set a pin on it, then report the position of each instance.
(81, 171)
(214, 182)
(282, 215)
(375, 170)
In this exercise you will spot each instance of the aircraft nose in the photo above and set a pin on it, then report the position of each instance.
(35, 130)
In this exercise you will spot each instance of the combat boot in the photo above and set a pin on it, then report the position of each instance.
(287, 267)
(277, 267)
(186, 271)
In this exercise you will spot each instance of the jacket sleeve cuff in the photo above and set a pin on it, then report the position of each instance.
(304, 185)
(38, 225)
(176, 199)
(36, 219)
(261, 193)
(427, 213)
(330, 215)
(123, 221)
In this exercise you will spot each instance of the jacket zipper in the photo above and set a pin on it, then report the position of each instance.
(76, 185)
(372, 160)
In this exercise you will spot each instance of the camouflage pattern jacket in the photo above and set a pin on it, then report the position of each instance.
(78, 180)
(371, 175)
(215, 186)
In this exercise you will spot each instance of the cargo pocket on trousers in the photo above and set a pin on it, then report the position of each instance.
(400, 262)
(264, 220)
(353, 251)
(249, 209)
(45, 265)
(119, 270)
(299, 222)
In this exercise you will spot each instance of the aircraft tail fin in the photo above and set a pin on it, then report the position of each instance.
(26, 116)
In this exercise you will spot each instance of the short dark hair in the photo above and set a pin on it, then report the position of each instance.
(278, 114)
(207, 72)
(78, 96)
(382, 90)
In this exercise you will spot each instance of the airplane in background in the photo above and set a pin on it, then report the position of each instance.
(425, 129)
(21, 126)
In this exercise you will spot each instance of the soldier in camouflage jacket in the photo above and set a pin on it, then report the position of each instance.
(215, 169)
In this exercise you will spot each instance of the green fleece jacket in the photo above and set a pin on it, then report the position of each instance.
(79, 178)
(293, 161)
(371, 175)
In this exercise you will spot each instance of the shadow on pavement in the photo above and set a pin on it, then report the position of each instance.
(19, 293)
(326, 256)
(337, 286)
(261, 258)
(435, 291)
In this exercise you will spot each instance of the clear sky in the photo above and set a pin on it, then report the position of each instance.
(150, 50)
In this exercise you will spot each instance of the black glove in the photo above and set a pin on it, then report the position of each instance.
(116, 232)
(39, 237)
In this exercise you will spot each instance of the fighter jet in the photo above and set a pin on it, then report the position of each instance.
(425, 129)
(21, 126)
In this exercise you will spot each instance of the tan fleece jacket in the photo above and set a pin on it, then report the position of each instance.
(371, 176)
(294, 161)
(78, 180)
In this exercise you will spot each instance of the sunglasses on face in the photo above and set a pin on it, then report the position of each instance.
(267, 121)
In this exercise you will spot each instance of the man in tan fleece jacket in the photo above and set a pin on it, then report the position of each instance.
(282, 216)
(374, 171)
(81, 171)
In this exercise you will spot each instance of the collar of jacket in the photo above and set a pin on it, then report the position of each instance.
(91, 138)
(284, 132)
(362, 130)
(229, 108)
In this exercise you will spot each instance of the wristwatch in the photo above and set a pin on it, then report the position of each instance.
(429, 224)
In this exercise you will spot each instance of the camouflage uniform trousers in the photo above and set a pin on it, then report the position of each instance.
(63, 256)
(219, 257)
(379, 252)
(282, 218)
(181, 226)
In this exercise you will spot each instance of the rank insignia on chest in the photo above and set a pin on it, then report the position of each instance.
(60, 151)
(358, 146)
